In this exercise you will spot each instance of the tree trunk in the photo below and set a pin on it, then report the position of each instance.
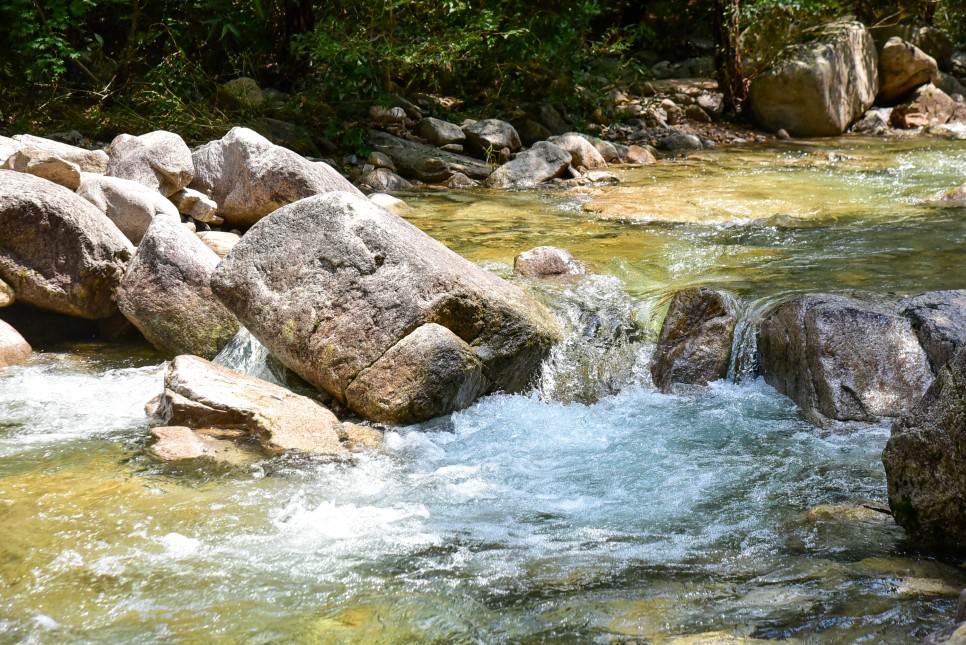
(730, 70)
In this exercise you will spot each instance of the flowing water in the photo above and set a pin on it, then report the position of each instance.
(592, 509)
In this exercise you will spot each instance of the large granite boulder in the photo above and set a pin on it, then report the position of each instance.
(130, 205)
(425, 163)
(582, 151)
(201, 394)
(939, 320)
(842, 359)
(44, 164)
(925, 462)
(902, 68)
(86, 160)
(932, 41)
(248, 176)
(160, 160)
(694, 347)
(58, 251)
(490, 136)
(531, 167)
(14, 350)
(340, 291)
(166, 294)
(818, 88)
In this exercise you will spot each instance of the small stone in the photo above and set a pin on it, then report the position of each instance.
(379, 160)
(548, 262)
(194, 204)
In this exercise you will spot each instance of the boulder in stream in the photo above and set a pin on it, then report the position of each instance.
(340, 289)
(14, 350)
(543, 161)
(166, 294)
(59, 252)
(694, 347)
(902, 68)
(939, 320)
(426, 163)
(548, 262)
(819, 88)
(582, 151)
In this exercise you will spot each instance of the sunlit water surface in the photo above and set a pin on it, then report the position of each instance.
(592, 509)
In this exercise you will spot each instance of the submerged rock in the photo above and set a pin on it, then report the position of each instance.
(925, 462)
(248, 176)
(130, 205)
(694, 347)
(201, 394)
(59, 252)
(841, 359)
(180, 443)
(819, 88)
(547, 262)
(166, 294)
(333, 284)
(14, 350)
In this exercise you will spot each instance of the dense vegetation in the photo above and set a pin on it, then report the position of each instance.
(111, 65)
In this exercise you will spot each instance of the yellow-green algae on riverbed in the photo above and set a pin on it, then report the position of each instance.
(716, 516)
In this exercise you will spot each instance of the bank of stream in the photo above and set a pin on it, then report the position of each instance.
(592, 509)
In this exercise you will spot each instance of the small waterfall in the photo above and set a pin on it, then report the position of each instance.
(246, 355)
(745, 360)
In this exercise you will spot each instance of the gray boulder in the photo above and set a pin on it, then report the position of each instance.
(46, 165)
(14, 350)
(166, 294)
(582, 152)
(248, 176)
(59, 252)
(607, 150)
(818, 88)
(694, 347)
(939, 320)
(680, 142)
(159, 160)
(531, 167)
(383, 180)
(439, 132)
(130, 205)
(490, 135)
(426, 163)
(932, 41)
(842, 359)
(925, 462)
(86, 160)
(333, 285)
(902, 68)
(548, 262)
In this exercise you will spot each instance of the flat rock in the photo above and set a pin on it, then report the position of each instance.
(59, 253)
(543, 161)
(159, 160)
(548, 262)
(14, 350)
(201, 394)
(248, 176)
(166, 294)
(130, 205)
(46, 165)
(331, 284)
(426, 163)
(86, 160)
(179, 443)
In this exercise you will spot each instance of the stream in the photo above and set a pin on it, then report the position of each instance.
(592, 509)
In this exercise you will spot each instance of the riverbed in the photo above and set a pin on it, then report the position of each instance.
(590, 509)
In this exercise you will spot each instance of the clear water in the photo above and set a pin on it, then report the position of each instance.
(592, 509)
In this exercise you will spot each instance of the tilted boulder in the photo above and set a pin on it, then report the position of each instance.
(439, 132)
(14, 350)
(58, 251)
(166, 294)
(939, 320)
(925, 462)
(582, 151)
(248, 176)
(130, 205)
(842, 359)
(425, 163)
(694, 347)
(335, 286)
(201, 394)
(44, 164)
(490, 136)
(548, 262)
(818, 88)
(902, 68)
(531, 167)
(86, 160)
(160, 160)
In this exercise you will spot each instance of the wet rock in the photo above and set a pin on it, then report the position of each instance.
(159, 160)
(954, 635)
(694, 347)
(86, 160)
(925, 462)
(949, 84)
(531, 167)
(939, 320)
(679, 142)
(7, 296)
(902, 68)
(841, 359)
(201, 394)
(383, 180)
(179, 443)
(547, 262)
(582, 152)
(165, 293)
(439, 132)
(818, 88)
(928, 106)
(637, 155)
(130, 205)
(46, 165)
(221, 242)
(459, 180)
(14, 350)
(425, 163)
(59, 252)
(195, 205)
(875, 121)
(248, 176)
(606, 149)
(332, 284)
(241, 93)
(490, 135)
(849, 514)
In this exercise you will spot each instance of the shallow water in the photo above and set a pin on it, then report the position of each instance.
(592, 509)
